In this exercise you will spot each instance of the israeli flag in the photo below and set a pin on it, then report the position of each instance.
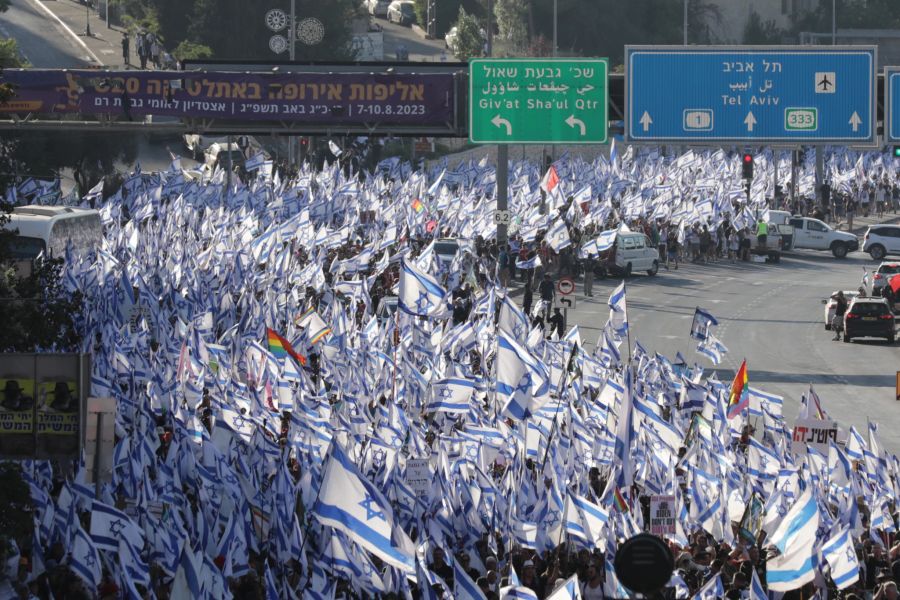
(570, 590)
(420, 294)
(841, 557)
(109, 525)
(757, 591)
(521, 379)
(451, 395)
(532, 263)
(606, 240)
(351, 504)
(558, 236)
(84, 559)
(712, 348)
(713, 590)
(465, 588)
(586, 520)
(794, 538)
(700, 327)
(618, 312)
(255, 162)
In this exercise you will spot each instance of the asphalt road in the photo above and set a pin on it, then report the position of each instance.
(419, 49)
(43, 43)
(771, 315)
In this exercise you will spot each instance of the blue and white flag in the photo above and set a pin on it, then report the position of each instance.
(757, 591)
(451, 395)
(606, 240)
(350, 503)
(712, 349)
(532, 263)
(84, 559)
(465, 588)
(586, 520)
(420, 293)
(618, 311)
(841, 557)
(794, 538)
(109, 525)
(703, 321)
(558, 236)
(570, 590)
(522, 381)
(713, 590)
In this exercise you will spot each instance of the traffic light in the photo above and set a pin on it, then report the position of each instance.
(747, 165)
(896, 151)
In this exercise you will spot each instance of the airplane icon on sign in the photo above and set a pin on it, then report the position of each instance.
(825, 83)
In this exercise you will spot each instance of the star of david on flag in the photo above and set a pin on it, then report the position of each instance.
(350, 503)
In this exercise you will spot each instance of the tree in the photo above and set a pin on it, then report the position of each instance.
(188, 50)
(236, 29)
(512, 20)
(469, 41)
(762, 33)
(16, 521)
(10, 57)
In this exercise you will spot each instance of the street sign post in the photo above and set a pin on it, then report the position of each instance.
(892, 105)
(778, 94)
(565, 286)
(538, 101)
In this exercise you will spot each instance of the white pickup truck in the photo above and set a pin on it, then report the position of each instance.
(813, 234)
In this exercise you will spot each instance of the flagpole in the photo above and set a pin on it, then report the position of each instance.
(627, 324)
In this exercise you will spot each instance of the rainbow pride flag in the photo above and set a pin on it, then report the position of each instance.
(280, 347)
(739, 399)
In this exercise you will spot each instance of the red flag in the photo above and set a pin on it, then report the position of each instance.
(550, 180)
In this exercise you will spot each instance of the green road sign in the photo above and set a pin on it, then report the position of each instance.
(538, 101)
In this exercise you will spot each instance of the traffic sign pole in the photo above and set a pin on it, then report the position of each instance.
(502, 190)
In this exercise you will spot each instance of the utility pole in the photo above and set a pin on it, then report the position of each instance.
(490, 28)
(685, 23)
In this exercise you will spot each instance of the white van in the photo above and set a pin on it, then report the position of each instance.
(630, 253)
(49, 229)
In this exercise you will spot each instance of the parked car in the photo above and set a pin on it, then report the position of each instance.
(882, 275)
(869, 317)
(881, 240)
(379, 8)
(629, 253)
(402, 12)
(831, 302)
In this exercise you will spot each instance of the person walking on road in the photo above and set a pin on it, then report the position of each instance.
(126, 54)
(837, 321)
(589, 264)
(548, 293)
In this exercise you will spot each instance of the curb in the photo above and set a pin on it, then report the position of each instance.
(68, 30)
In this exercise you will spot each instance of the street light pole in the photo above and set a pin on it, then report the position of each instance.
(685, 23)
(833, 22)
(555, 23)
(292, 41)
(87, 20)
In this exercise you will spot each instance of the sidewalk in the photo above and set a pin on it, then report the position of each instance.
(861, 224)
(105, 44)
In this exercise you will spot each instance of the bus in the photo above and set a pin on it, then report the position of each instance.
(49, 229)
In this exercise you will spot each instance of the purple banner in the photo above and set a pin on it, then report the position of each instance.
(339, 98)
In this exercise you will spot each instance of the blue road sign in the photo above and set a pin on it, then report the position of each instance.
(751, 94)
(892, 104)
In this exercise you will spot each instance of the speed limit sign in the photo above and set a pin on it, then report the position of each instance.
(501, 217)
(565, 286)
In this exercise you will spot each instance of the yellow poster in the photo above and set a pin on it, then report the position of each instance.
(16, 405)
(58, 404)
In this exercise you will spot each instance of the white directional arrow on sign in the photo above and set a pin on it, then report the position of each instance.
(855, 121)
(750, 121)
(498, 121)
(572, 122)
(646, 121)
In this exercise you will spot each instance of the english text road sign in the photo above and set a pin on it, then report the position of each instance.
(892, 104)
(538, 101)
(751, 94)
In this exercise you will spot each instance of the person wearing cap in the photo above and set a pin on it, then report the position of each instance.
(530, 578)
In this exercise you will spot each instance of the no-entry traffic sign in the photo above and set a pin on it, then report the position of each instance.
(565, 286)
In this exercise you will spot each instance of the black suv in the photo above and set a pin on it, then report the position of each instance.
(869, 317)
